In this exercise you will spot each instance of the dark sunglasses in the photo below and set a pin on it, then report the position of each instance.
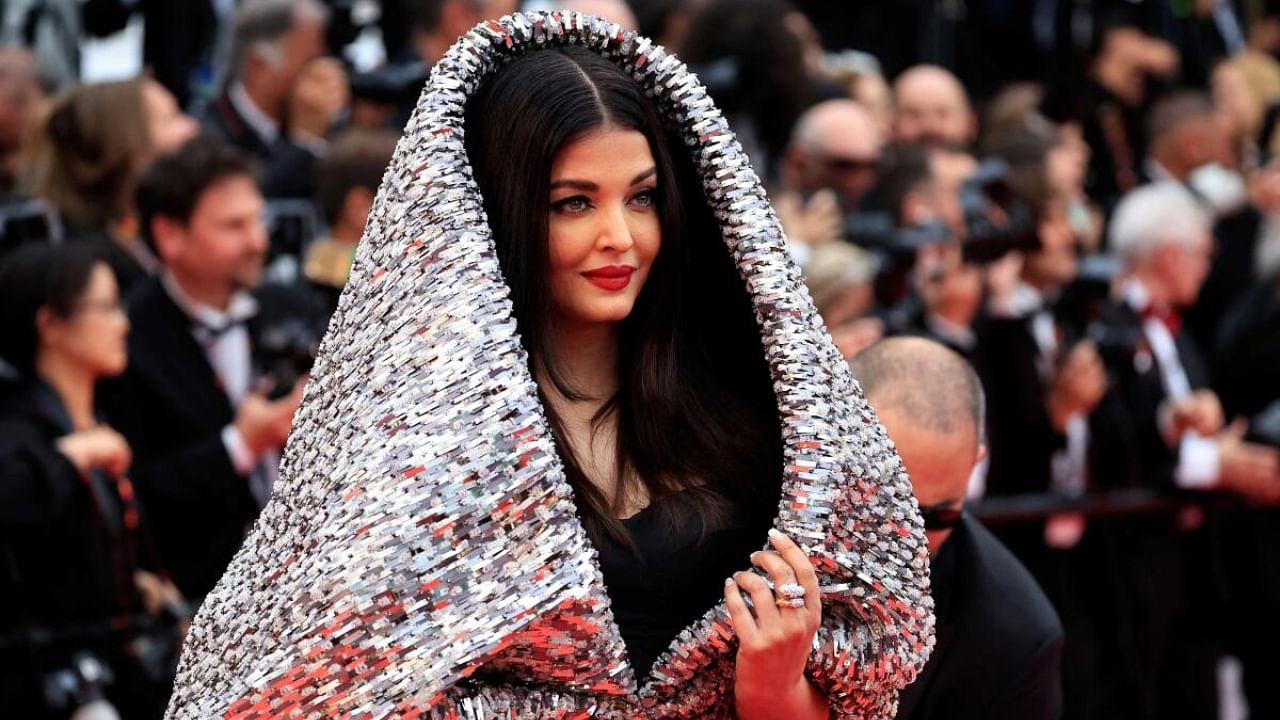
(851, 165)
(943, 516)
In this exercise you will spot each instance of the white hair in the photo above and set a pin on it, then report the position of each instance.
(1155, 215)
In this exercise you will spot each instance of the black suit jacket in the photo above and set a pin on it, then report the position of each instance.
(999, 641)
(1126, 422)
(1020, 435)
(288, 167)
(171, 407)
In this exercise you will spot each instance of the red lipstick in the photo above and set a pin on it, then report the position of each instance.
(610, 277)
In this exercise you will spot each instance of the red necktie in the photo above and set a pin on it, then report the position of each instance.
(1166, 315)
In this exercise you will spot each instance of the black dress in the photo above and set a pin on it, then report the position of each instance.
(69, 547)
(675, 574)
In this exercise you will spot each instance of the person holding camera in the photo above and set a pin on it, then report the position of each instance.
(80, 585)
(215, 360)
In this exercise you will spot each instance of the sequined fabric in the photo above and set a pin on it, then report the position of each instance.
(420, 556)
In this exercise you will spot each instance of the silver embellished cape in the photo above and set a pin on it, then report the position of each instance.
(421, 557)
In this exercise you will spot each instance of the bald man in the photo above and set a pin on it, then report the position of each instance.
(999, 641)
(931, 106)
(835, 145)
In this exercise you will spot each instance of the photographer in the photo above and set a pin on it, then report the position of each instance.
(73, 588)
(212, 386)
(939, 286)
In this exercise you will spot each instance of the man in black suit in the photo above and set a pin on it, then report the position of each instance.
(282, 93)
(1165, 431)
(205, 432)
(999, 642)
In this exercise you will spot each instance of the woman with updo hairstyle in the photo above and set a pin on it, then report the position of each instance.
(77, 568)
(89, 149)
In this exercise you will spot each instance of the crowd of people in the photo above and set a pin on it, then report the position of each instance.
(1079, 199)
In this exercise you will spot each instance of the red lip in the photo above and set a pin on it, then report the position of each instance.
(610, 277)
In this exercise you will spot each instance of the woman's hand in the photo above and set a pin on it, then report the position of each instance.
(99, 447)
(773, 641)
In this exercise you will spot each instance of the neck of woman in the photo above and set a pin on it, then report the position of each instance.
(588, 360)
(73, 385)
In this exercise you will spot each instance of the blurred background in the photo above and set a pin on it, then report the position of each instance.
(1081, 197)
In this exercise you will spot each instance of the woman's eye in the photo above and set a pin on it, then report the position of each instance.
(575, 204)
(644, 198)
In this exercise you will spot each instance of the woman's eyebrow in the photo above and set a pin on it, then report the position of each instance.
(575, 184)
(588, 185)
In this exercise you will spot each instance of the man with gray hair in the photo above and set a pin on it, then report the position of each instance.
(1161, 428)
(281, 92)
(1162, 236)
(999, 641)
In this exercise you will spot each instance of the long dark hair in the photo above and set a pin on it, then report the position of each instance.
(694, 407)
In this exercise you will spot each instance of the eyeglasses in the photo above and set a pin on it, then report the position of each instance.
(942, 516)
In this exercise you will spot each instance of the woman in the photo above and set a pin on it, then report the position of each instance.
(88, 152)
(536, 445)
(70, 531)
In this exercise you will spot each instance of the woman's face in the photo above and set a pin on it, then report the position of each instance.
(604, 229)
(92, 337)
(169, 127)
(1067, 162)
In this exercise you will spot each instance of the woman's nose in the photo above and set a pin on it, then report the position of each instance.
(615, 231)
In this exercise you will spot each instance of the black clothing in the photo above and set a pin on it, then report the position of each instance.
(1245, 377)
(1247, 352)
(1020, 435)
(1116, 135)
(1138, 455)
(674, 575)
(178, 35)
(171, 407)
(69, 552)
(1167, 574)
(999, 642)
(1231, 274)
(288, 170)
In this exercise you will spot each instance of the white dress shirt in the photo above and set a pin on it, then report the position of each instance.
(1198, 462)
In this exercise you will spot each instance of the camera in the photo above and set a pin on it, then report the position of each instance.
(28, 221)
(291, 226)
(997, 220)
(287, 350)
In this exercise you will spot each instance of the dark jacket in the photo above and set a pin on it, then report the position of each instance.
(172, 408)
(1127, 421)
(68, 554)
(999, 641)
(288, 168)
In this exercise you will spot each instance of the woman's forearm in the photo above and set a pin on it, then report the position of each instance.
(806, 702)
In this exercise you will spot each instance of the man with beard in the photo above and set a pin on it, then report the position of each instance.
(205, 426)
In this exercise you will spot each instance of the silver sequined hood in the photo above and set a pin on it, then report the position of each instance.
(421, 557)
